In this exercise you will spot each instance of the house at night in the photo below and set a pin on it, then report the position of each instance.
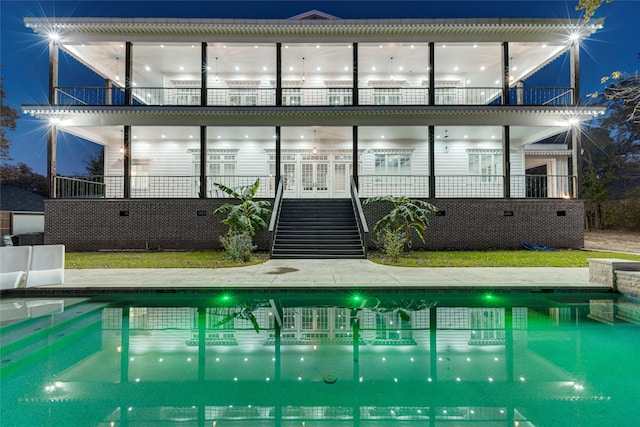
(326, 112)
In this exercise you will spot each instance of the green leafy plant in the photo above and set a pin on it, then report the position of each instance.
(407, 214)
(391, 243)
(238, 246)
(244, 312)
(248, 216)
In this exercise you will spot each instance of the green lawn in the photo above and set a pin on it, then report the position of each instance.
(217, 259)
(195, 259)
(515, 258)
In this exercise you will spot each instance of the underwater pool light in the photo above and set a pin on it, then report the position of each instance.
(225, 298)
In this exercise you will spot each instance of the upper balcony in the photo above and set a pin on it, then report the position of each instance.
(304, 96)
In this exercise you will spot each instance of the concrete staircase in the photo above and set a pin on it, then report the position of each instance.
(317, 228)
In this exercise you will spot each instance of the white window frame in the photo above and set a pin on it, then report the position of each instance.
(486, 164)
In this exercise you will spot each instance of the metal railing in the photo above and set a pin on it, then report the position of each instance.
(275, 214)
(237, 183)
(382, 185)
(543, 186)
(530, 95)
(80, 188)
(417, 186)
(302, 96)
(363, 229)
(469, 186)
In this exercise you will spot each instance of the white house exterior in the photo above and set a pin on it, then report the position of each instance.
(437, 109)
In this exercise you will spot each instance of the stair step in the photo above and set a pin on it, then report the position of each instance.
(317, 228)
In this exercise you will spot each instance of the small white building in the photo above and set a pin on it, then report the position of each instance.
(438, 109)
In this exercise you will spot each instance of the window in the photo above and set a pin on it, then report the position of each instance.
(221, 168)
(187, 96)
(243, 97)
(392, 164)
(387, 96)
(139, 174)
(391, 327)
(291, 96)
(339, 96)
(486, 165)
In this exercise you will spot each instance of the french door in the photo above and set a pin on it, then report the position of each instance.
(315, 175)
(315, 179)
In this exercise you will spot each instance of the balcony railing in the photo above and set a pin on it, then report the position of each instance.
(543, 186)
(80, 188)
(157, 186)
(398, 185)
(326, 97)
(416, 186)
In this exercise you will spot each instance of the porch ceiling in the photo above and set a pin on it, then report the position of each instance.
(316, 134)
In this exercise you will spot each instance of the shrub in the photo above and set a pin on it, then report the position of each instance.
(238, 246)
(407, 215)
(391, 243)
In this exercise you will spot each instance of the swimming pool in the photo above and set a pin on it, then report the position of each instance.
(296, 358)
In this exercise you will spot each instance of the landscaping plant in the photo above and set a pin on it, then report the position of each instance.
(407, 215)
(244, 219)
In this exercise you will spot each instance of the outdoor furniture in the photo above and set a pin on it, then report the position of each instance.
(14, 264)
(47, 266)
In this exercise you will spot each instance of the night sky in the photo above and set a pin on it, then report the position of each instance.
(24, 56)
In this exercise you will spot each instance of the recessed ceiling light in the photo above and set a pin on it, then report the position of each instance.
(482, 68)
(237, 68)
(475, 46)
(147, 68)
(373, 68)
(455, 68)
(318, 68)
(264, 68)
(290, 68)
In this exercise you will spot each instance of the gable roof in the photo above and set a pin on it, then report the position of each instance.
(16, 199)
(314, 14)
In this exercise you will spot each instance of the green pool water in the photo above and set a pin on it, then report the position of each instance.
(320, 358)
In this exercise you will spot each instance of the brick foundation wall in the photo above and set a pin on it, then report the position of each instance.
(496, 223)
(87, 225)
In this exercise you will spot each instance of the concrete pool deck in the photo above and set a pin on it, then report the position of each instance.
(335, 273)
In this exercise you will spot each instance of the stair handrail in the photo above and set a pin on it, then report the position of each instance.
(360, 218)
(275, 213)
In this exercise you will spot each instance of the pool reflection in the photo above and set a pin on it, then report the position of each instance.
(306, 360)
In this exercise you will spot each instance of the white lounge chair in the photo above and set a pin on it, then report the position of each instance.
(47, 266)
(14, 264)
